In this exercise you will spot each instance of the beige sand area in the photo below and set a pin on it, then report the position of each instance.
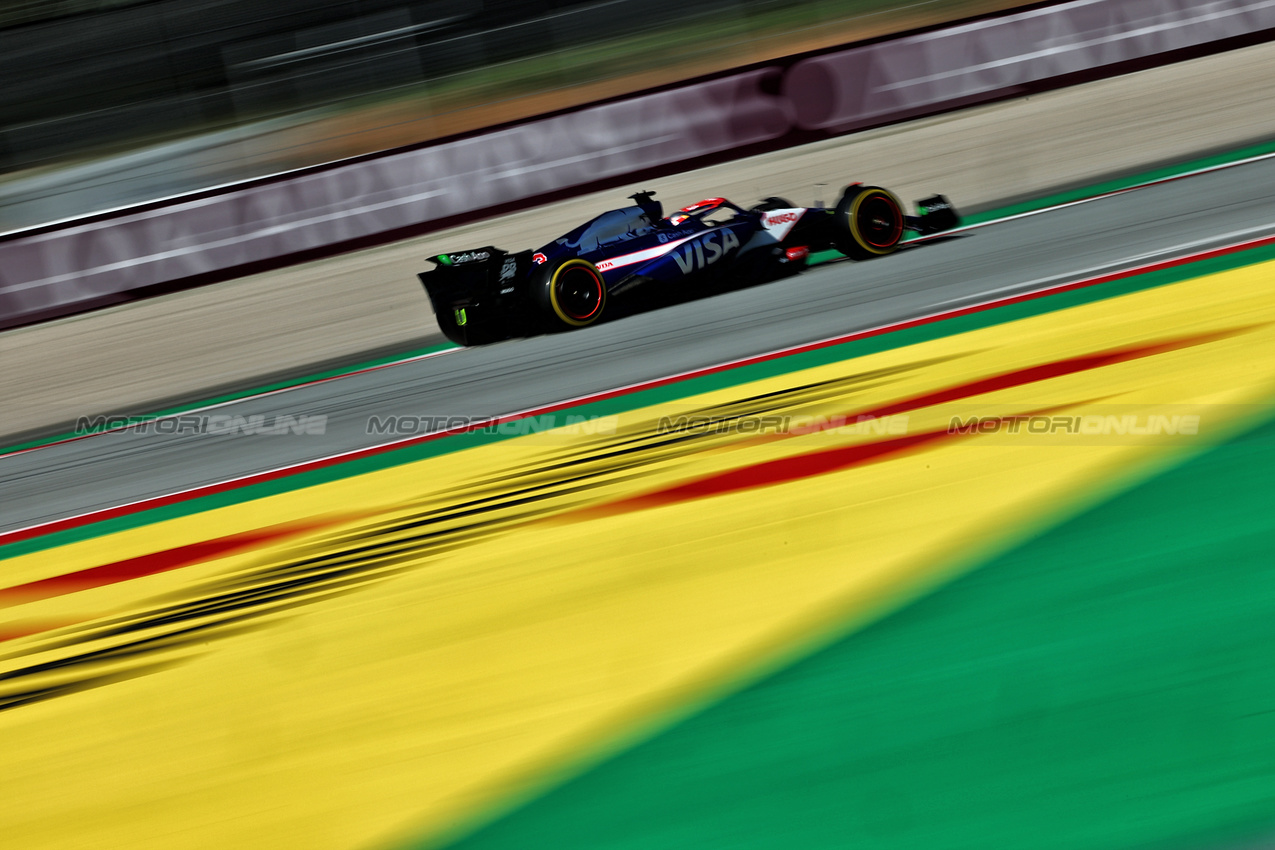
(133, 357)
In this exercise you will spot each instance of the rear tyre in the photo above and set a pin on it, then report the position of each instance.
(869, 223)
(572, 293)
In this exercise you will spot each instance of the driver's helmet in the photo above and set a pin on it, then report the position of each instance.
(697, 208)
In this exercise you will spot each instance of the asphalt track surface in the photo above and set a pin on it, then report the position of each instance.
(1072, 243)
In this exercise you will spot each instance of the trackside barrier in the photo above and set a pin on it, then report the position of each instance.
(88, 263)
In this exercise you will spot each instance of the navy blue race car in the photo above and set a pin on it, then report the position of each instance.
(485, 295)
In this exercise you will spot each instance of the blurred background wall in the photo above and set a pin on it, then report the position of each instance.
(142, 99)
(81, 74)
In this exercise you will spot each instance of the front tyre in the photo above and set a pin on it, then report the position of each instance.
(572, 293)
(869, 223)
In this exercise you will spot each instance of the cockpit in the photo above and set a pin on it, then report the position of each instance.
(608, 229)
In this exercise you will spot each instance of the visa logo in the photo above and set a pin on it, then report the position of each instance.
(704, 252)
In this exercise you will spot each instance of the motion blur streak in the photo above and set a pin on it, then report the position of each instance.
(470, 641)
(140, 100)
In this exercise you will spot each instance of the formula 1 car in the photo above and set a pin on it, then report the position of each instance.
(484, 295)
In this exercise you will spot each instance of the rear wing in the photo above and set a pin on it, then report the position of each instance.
(465, 278)
(466, 258)
(475, 293)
